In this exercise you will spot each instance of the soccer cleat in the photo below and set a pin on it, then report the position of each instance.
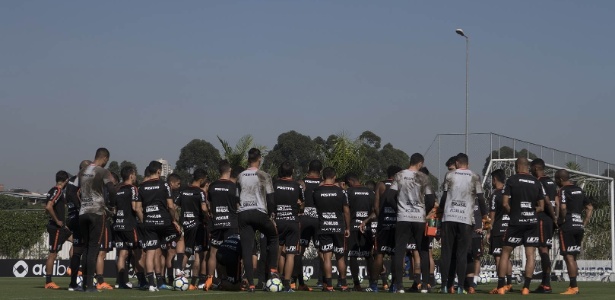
(305, 288)
(92, 290)
(252, 289)
(400, 291)
(385, 287)
(525, 291)
(208, 283)
(471, 290)
(328, 289)
(319, 284)
(274, 274)
(508, 288)
(345, 288)
(357, 288)
(571, 291)
(289, 290)
(293, 286)
(415, 288)
(165, 287)
(104, 286)
(76, 288)
(461, 291)
(144, 286)
(153, 288)
(192, 288)
(494, 291)
(123, 287)
(543, 289)
(52, 286)
(452, 290)
(501, 291)
(443, 290)
(426, 288)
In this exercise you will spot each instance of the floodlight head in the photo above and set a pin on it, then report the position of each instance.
(459, 31)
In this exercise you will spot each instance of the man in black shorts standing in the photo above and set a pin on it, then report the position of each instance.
(500, 224)
(523, 198)
(461, 188)
(309, 221)
(73, 205)
(93, 180)
(160, 223)
(360, 242)
(58, 232)
(331, 203)
(256, 204)
(289, 200)
(223, 202)
(572, 225)
(546, 221)
(413, 187)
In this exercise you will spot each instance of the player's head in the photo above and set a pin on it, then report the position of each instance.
(417, 160)
(235, 173)
(84, 163)
(498, 177)
(224, 167)
(174, 181)
(286, 169)
(537, 167)
(522, 165)
(392, 170)
(315, 166)
(61, 177)
(450, 163)
(461, 161)
(328, 173)
(148, 172)
(129, 174)
(562, 177)
(370, 184)
(352, 179)
(155, 167)
(424, 170)
(199, 177)
(102, 157)
(116, 178)
(254, 155)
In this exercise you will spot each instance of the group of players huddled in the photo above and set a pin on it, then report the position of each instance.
(159, 225)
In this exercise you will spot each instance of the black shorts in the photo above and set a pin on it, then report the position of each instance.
(218, 236)
(156, 236)
(360, 244)
(545, 231)
(570, 242)
(385, 241)
(476, 249)
(412, 232)
(288, 234)
(57, 237)
(495, 245)
(335, 243)
(107, 241)
(73, 225)
(309, 231)
(195, 239)
(526, 235)
(127, 240)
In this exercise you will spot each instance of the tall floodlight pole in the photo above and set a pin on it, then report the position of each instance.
(461, 33)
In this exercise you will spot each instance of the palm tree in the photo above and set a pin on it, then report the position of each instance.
(238, 156)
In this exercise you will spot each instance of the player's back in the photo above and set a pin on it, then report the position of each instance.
(360, 202)
(222, 196)
(154, 194)
(575, 200)
(330, 201)
(92, 180)
(310, 183)
(254, 186)
(190, 200)
(524, 191)
(461, 187)
(287, 193)
(125, 217)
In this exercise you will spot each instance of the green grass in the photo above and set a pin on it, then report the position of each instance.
(32, 288)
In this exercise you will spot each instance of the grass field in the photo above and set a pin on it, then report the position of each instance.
(32, 288)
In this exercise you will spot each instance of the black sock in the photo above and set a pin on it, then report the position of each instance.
(74, 267)
(508, 279)
(501, 282)
(526, 283)
(100, 279)
(179, 261)
(170, 276)
(202, 278)
(120, 277)
(469, 282)
(150, 279)
(417, 279)
(47, 278)
(193, 280)
(573, 282)
(432, 279)
(545, 263)
(343, 281)
(141, 278)
(286, 283)
(160, 279)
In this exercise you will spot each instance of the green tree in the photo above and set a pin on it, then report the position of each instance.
(345, 155)
(9, 202)
(20, 230)
(197, 154)
(126, 163)
(114, 167)
(507, 152)
(295, 147)
(238, 156)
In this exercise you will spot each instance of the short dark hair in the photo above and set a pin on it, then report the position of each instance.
(392, 170)
(370, 184)
(148, 171)
(102, 153)
(173, 177)
(451, 161)
(253, 155)
(499, 175)
(236, 171)
(538, 163)
(286, 169)
(198, 174)
(154, 166)
(61, 176)
(424, 170)
(351, 177)
(462, 158)
(126, 172)
(328, 173)
(224, 166)
(315, 166)
(416, 159)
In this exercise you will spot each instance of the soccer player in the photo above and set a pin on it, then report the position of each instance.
(546, 221)
(412, 187)
(256, 204)
(461, 188)
(73, 204)
(169, 250)
(92, 182)
(160, 223)
(223, 203)
(289, 200)
(431, 206)
(229, 262)
(523, 198)
(331, 204)
(475, 251)
(106, 241)
(385, 209)
(309, 220)
(572, 225)
(58, 232)
(500, 224)
(360, 242)
(193, 203)
(125, 226)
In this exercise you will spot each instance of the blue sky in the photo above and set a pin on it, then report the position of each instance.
(143, 78)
